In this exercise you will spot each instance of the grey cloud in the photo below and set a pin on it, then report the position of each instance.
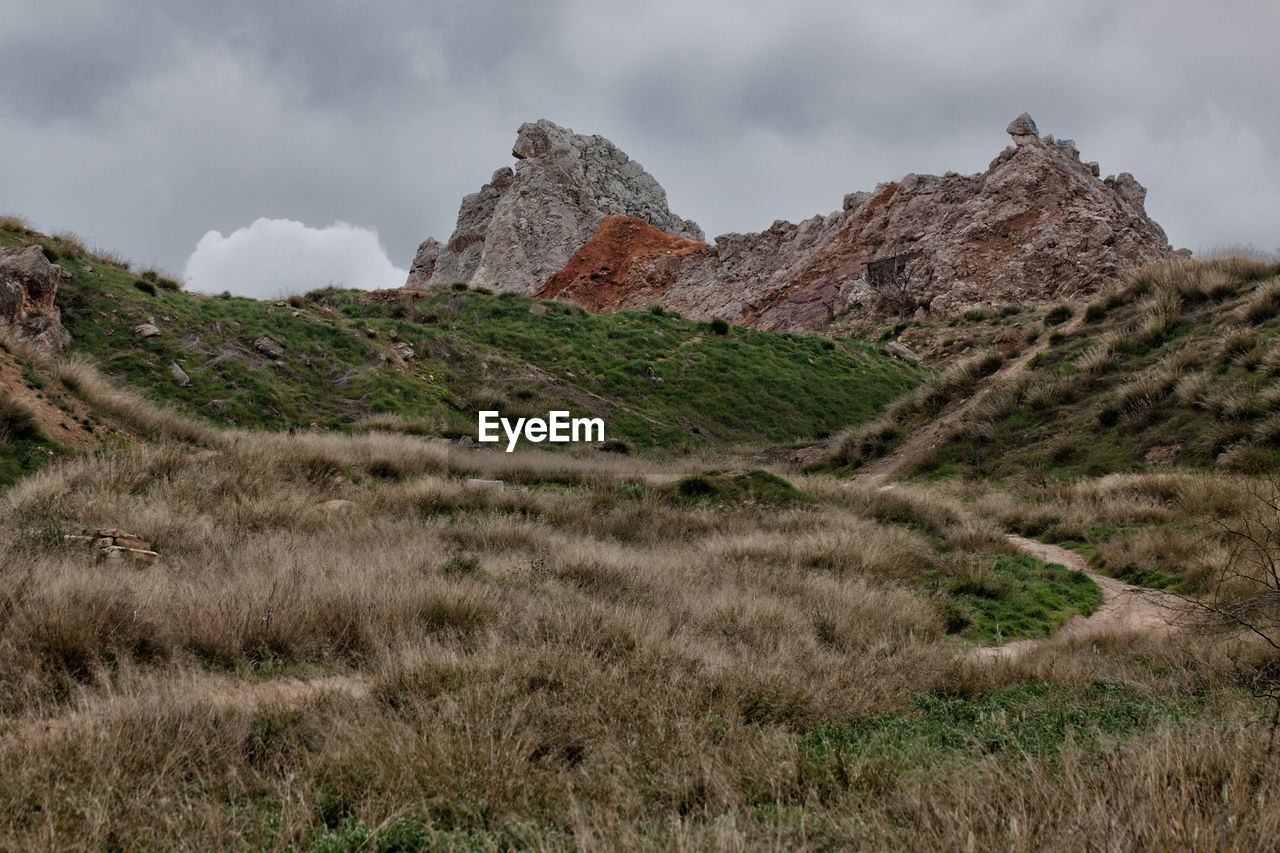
(144, 125)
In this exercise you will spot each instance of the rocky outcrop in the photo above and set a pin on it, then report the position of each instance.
(524, 225)
(1039, 225)
(28, 285)
(598, 276)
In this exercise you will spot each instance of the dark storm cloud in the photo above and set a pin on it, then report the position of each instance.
(145, 125)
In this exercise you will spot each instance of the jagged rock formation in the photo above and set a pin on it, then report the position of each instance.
(524, 224)
(1038, 225)
(28, 284)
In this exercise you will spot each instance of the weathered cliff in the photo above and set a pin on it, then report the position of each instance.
(524, 224)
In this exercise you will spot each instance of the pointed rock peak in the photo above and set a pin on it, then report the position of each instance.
(1023, 130)
(540, 138)
(1023, 125)
(523, 226)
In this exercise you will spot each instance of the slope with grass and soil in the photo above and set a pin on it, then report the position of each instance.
(1175, 365)
(427, 361)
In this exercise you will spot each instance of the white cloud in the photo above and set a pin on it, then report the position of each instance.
(276, 257)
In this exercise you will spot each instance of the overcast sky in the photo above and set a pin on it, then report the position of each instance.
(144, 127)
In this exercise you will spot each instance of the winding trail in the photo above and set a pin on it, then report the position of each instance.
(1125, 608)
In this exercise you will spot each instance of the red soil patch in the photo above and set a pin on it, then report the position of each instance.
(596, 277)
(61, 421)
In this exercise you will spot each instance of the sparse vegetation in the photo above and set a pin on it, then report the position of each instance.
(357, 640)
(616, 645)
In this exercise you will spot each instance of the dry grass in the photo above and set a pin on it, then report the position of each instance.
(129, 407)
(583, 660)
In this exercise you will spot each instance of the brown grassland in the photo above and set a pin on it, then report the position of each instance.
(610, 652)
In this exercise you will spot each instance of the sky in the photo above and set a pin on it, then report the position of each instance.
(269, 148)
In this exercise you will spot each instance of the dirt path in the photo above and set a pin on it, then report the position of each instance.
(1124, 608)
(923, 440)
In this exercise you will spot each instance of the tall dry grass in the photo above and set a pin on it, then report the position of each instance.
(579, 659)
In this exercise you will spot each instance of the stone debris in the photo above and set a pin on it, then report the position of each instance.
(179, 375)
(111, 543)
(146, 330)
(269, 348)
(902, 351)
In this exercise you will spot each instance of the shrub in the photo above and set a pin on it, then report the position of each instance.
(461, 565)
(1244, 266)
(1057, 314)
(719, 326)
(1236, 342)
(1157, 318)
(1264, 305)
(16, 422)
(145, 286)
(460, 286)
(656, 310)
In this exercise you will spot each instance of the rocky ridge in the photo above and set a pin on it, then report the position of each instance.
(1039, 225)
(524, 224)
(28, 285)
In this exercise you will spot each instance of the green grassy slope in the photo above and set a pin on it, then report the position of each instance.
(658, 380)
(1178, 364)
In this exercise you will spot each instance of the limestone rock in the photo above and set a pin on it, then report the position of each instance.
(1038, 226)
(902, 351)
(1023, 129)
(179, 375)
(28, 285)
(524, 225)
(146, 330)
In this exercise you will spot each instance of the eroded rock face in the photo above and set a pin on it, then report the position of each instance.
(28, 285)
(524, 225)
(598, 276)
(1039, 225)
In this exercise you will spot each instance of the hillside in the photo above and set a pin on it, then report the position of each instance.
(427, 361)
(1176, 365)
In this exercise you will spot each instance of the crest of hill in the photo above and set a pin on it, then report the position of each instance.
(416, 361)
